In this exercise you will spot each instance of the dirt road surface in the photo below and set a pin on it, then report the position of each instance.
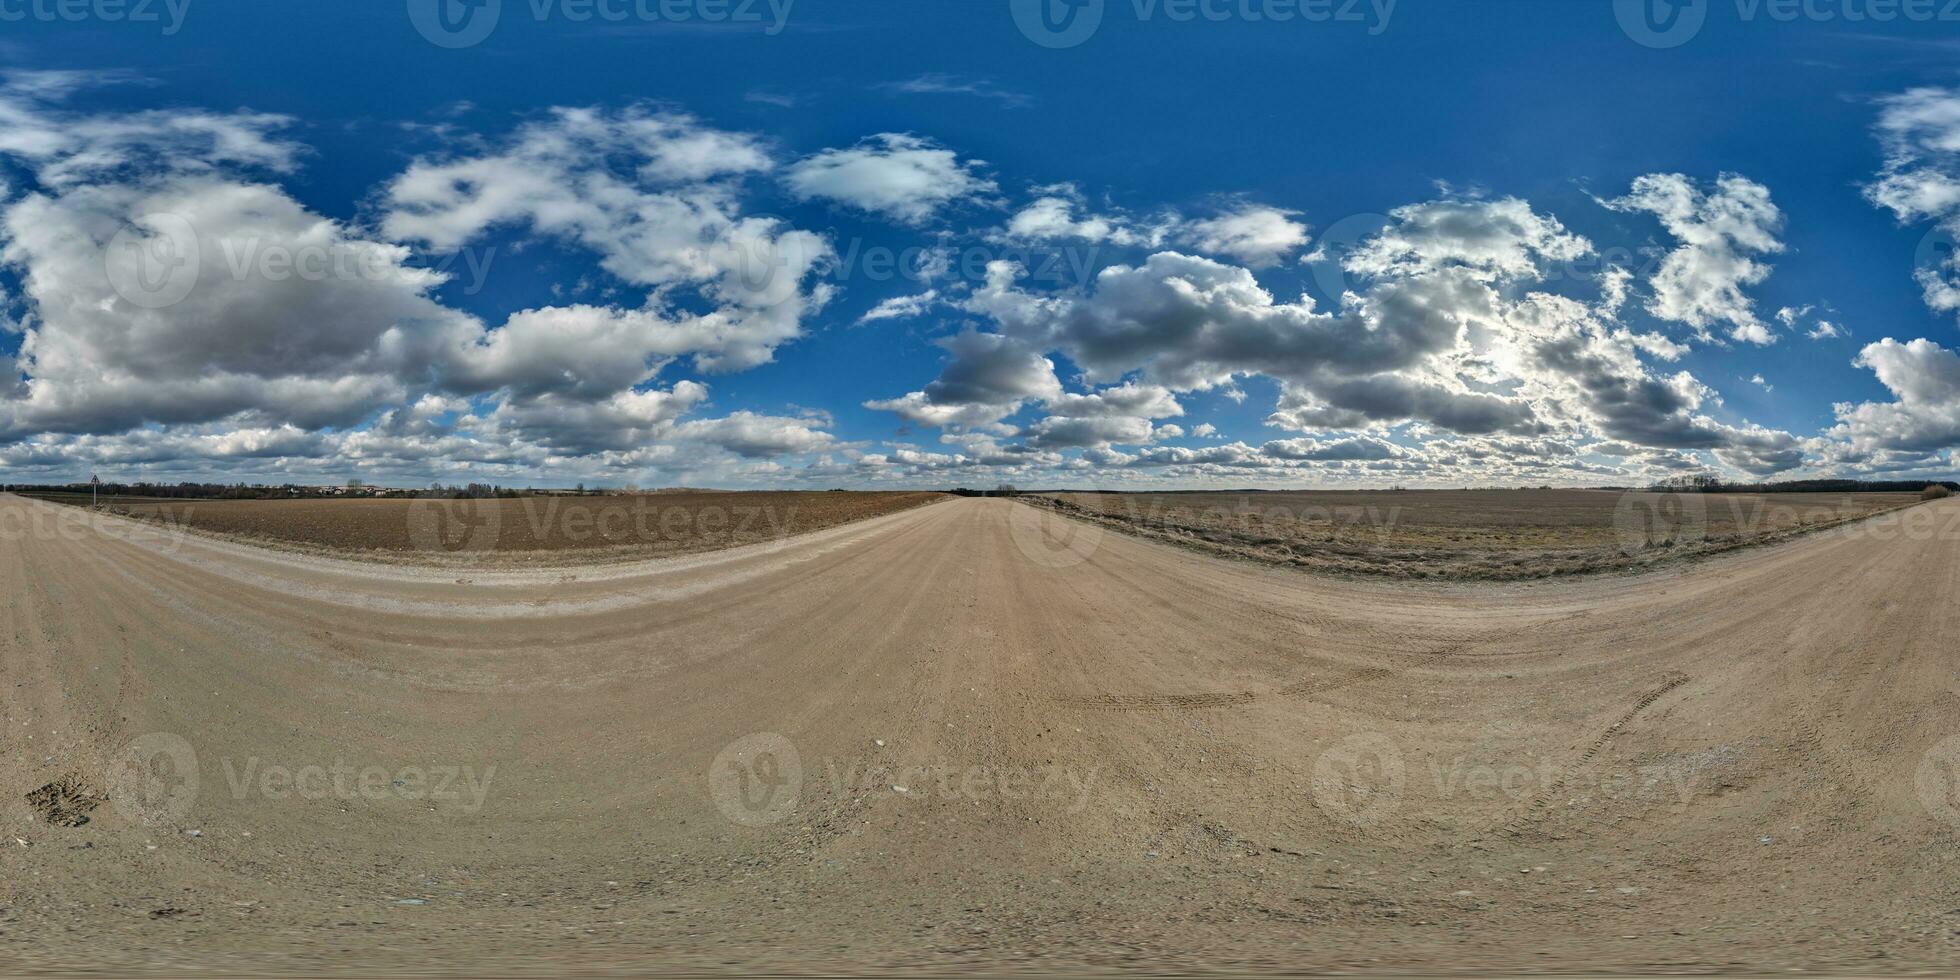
(967, 736)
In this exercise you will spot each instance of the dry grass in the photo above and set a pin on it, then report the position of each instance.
(533, 529)
(1473, 534)
(1935, 492)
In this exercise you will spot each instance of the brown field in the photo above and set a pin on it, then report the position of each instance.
(1475, 534)
(517, 529)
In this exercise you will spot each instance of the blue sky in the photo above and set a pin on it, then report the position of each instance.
(657, 228)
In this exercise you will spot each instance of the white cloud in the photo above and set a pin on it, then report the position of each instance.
(1340, 450)
(1701, 282)
(1058, 432)
(655, 196)
(240, 340)
(1437, 338)
(988, 378)
(1920, 132)
(901, 307)
(1442, 360)
(1924, 415)
(942, 83)
(1140, 400)
(1792, 318)
(1257, 235)
(1503, 239)
(288, 328)
(1059, 213)
(757, 436)
(898, 175)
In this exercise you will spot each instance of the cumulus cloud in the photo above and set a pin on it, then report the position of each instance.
(1058, 432)
(65, 148)
(1257, 235)
(1060, 213)
(282, 347)
(754, 436)
(1920, 132)
(1443, 334)
(621, 421)
(183, 306)
(1502, 239)
(1793, 318)
(1443, 360)
(987, 378)
(1721, 234)
(898, 175)
(1340, 450)
(1924, 415)
(1140, 400)
(655, 196)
